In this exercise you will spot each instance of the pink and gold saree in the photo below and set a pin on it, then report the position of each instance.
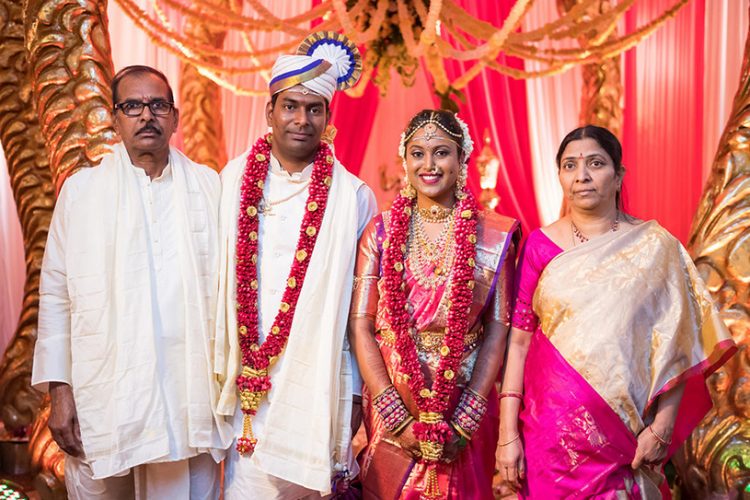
(617, 321)
(386, 471)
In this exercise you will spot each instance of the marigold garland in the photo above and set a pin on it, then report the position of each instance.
(396, 33)
(254, 381)
(432, 429)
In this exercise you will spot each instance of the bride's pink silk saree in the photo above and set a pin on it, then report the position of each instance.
(617, 322)
(386, 471)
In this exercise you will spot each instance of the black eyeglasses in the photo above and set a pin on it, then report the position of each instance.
(135, 108)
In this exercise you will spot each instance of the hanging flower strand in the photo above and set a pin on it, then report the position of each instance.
(254, 382)
(432, 429)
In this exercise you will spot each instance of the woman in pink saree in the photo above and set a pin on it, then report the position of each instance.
(613, 334)
(428, 324)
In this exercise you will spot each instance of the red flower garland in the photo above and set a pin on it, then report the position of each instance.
(432, 429)
(254, 381)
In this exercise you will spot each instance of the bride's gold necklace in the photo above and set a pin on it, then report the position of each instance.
(435, 213)
(425, 253)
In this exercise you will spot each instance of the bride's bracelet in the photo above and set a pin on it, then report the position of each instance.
(391, 409)
(469, 412)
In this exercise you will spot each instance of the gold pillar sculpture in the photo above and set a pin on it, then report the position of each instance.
(34, 193)
(46, 458)
(201, 118)
(71, 70)
(715, 461)
(602, 91)
(55, 117)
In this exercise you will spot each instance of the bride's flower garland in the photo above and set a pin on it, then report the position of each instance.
(432, 429)
(254, 381)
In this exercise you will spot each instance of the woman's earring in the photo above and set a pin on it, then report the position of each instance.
(461, 183)
(408, 191)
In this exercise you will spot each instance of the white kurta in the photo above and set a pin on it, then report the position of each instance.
(278, 235)
(277, 241)
(126, 313)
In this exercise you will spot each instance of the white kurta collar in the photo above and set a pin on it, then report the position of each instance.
(294, 177)
(166, 174)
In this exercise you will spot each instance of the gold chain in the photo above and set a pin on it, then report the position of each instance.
(424, 252)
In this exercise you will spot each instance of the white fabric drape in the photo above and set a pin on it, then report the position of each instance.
(553, 104)
(726, 27)
(130, 45)
(12, 265)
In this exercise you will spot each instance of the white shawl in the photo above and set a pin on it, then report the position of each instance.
(121, 412)
(307, 435)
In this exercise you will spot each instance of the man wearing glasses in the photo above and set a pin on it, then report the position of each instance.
(126, 312)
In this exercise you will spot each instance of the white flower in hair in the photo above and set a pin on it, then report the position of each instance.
(402, 146)
(468, 144)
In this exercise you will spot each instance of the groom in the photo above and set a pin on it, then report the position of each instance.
(290, 218)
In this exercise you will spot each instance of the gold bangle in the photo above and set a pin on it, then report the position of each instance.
(661, 440)
(512, 440)
(375, 397)
(366, 277)
(403, 425)
(460, 431)
(476, 394)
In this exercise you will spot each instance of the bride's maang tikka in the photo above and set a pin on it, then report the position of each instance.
(431, 124)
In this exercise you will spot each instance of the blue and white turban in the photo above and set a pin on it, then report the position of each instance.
(325, 62)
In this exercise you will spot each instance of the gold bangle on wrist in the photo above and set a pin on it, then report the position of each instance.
(403, 425)
(376, 396)
(511, 441)
(476, 394)
(661, 440)
(460, 431)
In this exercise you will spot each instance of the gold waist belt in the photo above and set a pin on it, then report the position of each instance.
(430, 341)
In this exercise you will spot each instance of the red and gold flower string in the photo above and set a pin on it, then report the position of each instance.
(254, 381)
(432, 428)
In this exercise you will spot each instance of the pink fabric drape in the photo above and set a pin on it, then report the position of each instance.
(498, 104)
(663, 121)
(354, 119)
(12, 265)
(576, 445)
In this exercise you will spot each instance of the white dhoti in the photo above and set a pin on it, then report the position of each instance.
(196, 478)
